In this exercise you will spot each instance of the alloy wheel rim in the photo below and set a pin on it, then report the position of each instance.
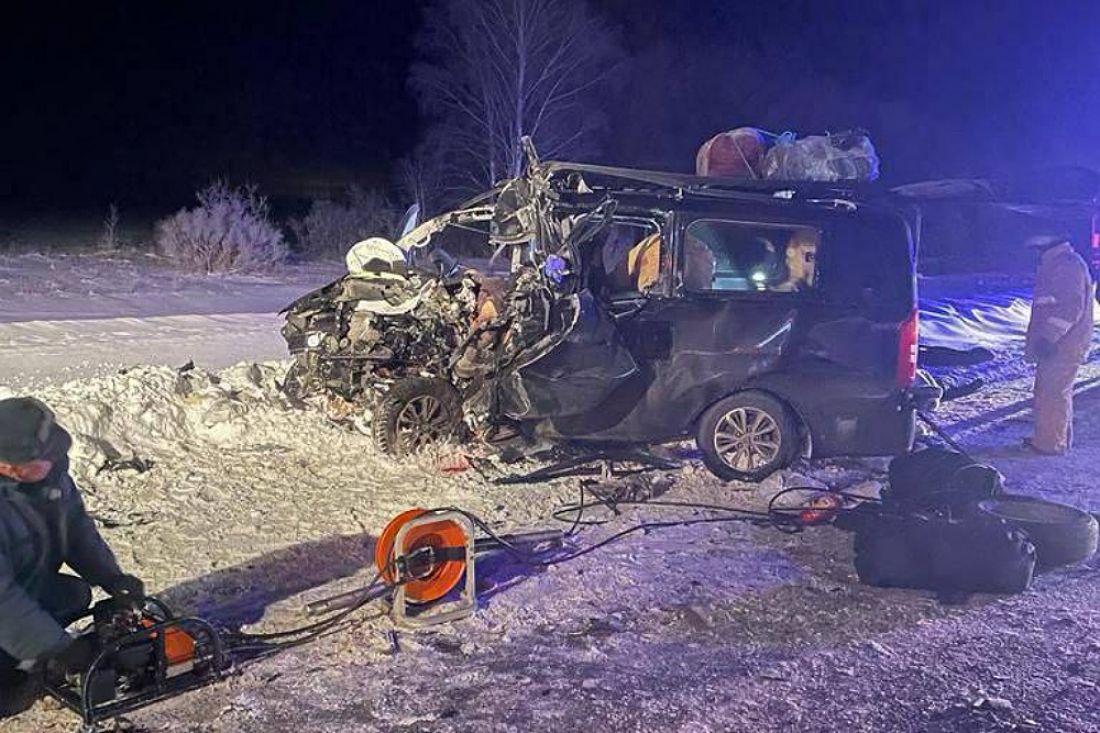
(421, 422)
(747, 439)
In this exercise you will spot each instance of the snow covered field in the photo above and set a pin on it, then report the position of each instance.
(71, 316)
(253, 508)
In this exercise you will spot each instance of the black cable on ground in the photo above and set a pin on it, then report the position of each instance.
(786, 518)
(238, 641)
(780, 517)
(576, 520)
(942, 434)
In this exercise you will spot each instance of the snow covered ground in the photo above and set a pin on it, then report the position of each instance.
(36, 287)
(253, 508)
(71, 316)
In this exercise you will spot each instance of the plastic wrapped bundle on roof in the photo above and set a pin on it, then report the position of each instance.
(738, 153)
(847, 156)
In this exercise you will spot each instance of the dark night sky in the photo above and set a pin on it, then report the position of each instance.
(131, 99)
(139, 101)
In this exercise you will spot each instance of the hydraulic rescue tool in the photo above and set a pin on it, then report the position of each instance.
(143, 653)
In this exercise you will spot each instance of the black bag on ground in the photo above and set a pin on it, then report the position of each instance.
(972, 555)
(938, 478)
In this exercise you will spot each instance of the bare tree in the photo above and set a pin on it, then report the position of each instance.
(109, 240)
(421, 175)
(496, 70)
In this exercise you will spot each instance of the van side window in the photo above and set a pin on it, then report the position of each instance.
(737, 257)
(631, 261)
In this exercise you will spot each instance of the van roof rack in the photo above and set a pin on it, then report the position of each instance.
(705, 185)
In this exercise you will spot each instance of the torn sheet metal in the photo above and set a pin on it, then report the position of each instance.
(493, 336)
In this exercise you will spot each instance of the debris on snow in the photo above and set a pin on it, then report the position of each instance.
(866, 489)
(998, 704)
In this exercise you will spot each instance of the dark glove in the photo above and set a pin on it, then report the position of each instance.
(1044, 349)
(75, 658)
(125, 586)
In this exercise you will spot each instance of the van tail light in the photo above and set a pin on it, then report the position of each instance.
(907, 351)
(1094, 243)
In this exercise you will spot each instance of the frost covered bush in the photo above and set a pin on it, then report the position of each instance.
(332, 226)
(229, 231)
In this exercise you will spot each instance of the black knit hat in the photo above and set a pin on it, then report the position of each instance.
(25, 427)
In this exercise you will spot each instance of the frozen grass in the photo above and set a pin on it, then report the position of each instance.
(229, 231)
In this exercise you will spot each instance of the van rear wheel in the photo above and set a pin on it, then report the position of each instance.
(747, 437)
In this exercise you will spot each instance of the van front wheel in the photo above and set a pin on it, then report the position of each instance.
(415, 413)
(747, 437)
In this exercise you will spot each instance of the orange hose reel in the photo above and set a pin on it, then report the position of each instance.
(435, 580)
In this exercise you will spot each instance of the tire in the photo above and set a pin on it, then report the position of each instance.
(731, 453)
(1062, 535)
(414, 413)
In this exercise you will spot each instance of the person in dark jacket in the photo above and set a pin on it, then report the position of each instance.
(43, 525)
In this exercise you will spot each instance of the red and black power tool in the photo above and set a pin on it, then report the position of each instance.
(144, 653)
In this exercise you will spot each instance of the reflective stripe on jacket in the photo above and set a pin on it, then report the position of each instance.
(1062, 307)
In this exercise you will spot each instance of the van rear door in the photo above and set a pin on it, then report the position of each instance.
(856, 356)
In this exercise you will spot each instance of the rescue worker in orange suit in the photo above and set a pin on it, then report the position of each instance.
(1058, 338)
(43, 525)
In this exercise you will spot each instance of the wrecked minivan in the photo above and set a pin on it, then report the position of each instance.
(618, 306)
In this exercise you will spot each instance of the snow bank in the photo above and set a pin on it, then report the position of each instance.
(247, 498)
(158, 411)
(995, 321)
(962, 312)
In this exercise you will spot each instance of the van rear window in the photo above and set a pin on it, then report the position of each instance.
(869, 262)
